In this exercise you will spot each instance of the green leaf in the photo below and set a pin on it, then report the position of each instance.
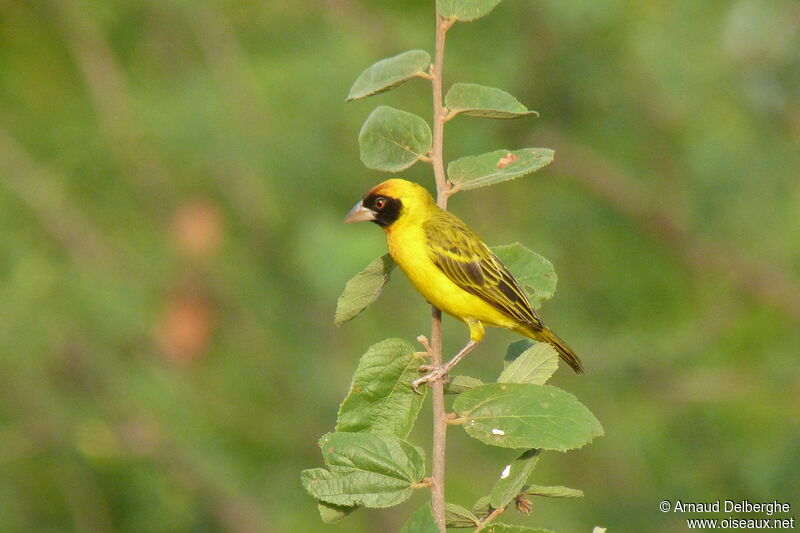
(465, 10)
(393, 140)
(389, 73)
(513, 478)
(459, 384)
(476, 171)
(363, 289)
(422, 521)
(555, 491)
(534, 273)
(365, 469)
(507, 528)
(522, 415)
(481, 508)
(535, 365)
(381, 399)
(333, 513)
(481, 101)
(458, 517)
(514, 350)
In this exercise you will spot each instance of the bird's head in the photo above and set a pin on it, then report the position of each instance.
(388, 201)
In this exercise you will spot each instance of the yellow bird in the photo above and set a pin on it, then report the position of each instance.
(452, 268)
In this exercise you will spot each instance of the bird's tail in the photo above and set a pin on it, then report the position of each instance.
(565, 352)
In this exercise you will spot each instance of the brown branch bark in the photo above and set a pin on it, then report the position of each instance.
(762, 282)
(437, 387)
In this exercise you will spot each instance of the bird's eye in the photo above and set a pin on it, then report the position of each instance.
(380, 203)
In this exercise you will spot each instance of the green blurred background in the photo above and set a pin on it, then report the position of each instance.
(173, 177)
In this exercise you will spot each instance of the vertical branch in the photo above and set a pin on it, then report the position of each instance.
(439, 423)
(439, 420)
(439, 112)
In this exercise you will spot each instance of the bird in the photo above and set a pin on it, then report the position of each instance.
(452, 268)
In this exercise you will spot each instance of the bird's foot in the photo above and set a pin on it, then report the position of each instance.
(436, 375)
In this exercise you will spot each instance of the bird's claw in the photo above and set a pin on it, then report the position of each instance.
(436, 375)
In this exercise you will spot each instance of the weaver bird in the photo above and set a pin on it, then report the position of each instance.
(452, 268)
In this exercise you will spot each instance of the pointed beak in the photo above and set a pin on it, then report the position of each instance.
(359, 213)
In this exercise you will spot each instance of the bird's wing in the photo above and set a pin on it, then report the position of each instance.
(461, 255)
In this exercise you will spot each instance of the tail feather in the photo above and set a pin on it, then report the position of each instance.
(565, 352)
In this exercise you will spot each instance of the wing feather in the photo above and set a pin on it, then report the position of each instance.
(460, 254)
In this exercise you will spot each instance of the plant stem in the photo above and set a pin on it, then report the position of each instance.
(439, 112)
(494, 514)
(437, 160)
(439, 423)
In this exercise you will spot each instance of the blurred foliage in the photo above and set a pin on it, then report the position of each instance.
(173, 178)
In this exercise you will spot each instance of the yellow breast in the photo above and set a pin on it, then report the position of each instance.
(409, 249)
